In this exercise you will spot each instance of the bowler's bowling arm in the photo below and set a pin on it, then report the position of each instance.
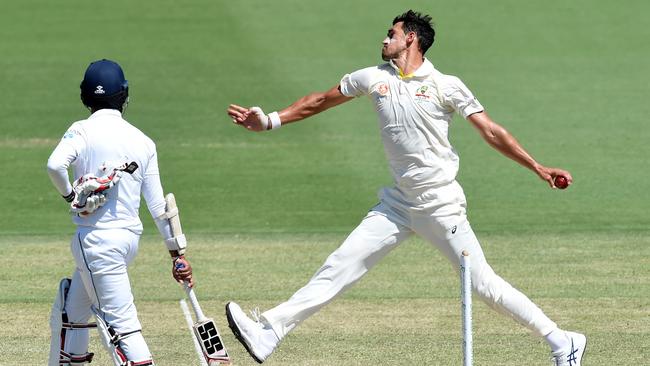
(312, 104)
(505, 143)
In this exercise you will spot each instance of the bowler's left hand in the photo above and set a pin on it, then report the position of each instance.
(252, 119)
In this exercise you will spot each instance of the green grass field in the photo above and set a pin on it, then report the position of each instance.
(262, 211)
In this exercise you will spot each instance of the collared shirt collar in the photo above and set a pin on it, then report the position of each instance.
(106, 112)
(424, 70)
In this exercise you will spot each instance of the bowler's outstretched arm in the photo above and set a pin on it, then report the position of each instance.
(501, 140)
(312, 104)
(304, 107)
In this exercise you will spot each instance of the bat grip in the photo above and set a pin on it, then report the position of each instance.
(194, 302)
(190, 295)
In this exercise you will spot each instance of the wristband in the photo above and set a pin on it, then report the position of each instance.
(274, 121)
(69, 198)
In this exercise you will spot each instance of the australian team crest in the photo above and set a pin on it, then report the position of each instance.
(421, 92)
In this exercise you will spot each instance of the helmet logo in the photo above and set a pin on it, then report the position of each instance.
(100, 90)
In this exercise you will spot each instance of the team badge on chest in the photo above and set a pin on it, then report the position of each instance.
(423, 92)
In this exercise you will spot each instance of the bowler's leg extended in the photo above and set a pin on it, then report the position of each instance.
(375, 237)
(365, 246)
(454, 234)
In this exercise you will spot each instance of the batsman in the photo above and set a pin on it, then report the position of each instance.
(113, 164)
(415, 104)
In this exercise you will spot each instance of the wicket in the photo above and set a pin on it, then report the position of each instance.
(466, 306)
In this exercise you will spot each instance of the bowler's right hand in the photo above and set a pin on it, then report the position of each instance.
(549, 174)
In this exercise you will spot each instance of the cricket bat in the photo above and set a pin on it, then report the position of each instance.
(206, 333)
(190, 324)
(204, 330)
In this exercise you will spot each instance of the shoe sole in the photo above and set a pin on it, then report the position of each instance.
(235, 330)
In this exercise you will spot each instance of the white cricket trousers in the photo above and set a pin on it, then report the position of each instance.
(101, 281)
(380, 232)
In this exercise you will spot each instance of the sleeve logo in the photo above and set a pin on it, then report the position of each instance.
(70, 134)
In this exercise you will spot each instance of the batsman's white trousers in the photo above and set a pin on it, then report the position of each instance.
(101, 280)
(386, 226)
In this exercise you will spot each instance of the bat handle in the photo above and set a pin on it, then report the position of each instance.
(194, 302)
(190, 295)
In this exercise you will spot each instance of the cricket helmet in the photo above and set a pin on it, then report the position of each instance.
(104, 86)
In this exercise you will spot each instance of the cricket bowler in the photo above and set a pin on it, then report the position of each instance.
(415, 104)
(113, 163)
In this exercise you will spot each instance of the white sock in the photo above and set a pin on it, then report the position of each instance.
(558, 340)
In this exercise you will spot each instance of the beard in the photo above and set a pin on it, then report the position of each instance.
(387, 55)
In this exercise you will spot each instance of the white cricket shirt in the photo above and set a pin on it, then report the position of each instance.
(414, 116)
(105, 137)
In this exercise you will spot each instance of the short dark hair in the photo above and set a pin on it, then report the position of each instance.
(420, 24)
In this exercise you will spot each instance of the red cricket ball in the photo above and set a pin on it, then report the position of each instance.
(561, 182)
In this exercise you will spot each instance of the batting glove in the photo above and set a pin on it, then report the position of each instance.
(88, 193)
(92, 203)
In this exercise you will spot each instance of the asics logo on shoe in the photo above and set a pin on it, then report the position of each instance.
(572, 357)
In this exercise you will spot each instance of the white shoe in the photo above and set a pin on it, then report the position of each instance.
(573, 355)
(259, 340)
